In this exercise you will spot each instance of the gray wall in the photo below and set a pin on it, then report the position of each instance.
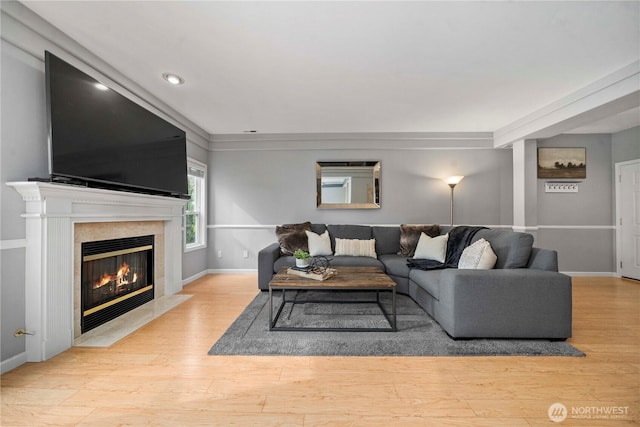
(580, 225)
(252, 190)
(194, 264)
(24, 154)
(625, 145)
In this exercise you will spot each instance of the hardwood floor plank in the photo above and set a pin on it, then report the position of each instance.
(358, 406)
(339, 420)
(160, 400)
(35, 396)
(500, 390)
(41, 415)
(162, 375)
(182, 418)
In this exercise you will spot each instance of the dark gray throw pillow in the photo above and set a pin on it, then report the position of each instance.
(410, 234)
(292, 237)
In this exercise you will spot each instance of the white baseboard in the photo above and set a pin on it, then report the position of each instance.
(217, 271)
(13, 362)
(194, 277)
(590, 273)
(232, 271)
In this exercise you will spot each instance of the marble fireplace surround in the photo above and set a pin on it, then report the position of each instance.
(92, 231)
(58, 219)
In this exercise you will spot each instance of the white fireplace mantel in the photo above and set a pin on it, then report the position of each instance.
(51, 212)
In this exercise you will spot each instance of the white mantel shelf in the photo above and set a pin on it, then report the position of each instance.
(78, 201)
(51, 212)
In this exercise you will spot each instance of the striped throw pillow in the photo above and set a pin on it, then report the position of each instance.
(356, 247)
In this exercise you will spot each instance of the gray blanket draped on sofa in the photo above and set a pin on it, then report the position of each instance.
(459, 238)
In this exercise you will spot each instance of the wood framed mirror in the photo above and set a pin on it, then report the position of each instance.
(348, 185)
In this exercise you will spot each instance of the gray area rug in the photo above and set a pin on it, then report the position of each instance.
(418, 334)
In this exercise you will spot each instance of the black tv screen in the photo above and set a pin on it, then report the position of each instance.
(99, 137)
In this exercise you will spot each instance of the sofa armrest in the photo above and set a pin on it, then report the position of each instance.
(266, 258)
(505, 303)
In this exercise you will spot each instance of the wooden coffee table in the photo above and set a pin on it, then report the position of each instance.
(347, 279)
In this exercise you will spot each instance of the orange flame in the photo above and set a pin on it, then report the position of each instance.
(120, 277)
(124, 270)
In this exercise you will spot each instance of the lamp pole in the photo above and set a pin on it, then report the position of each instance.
(452, 187)
(453, 181)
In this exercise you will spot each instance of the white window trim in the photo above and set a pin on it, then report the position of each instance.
(203, 211)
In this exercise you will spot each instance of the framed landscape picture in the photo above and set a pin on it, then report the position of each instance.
(562, 163)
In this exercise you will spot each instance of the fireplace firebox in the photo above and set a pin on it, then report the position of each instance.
(117, 276)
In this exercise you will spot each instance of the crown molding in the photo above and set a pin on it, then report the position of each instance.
(352, 141)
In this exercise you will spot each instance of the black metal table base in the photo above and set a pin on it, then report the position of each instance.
(391, 318)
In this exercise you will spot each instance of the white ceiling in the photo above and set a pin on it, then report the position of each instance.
(299, 67)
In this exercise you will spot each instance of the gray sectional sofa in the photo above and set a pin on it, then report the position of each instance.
(523, 296)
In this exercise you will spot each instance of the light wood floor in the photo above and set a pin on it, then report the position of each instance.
(161, 375)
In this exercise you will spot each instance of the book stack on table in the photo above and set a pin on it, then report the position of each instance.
(312, 274)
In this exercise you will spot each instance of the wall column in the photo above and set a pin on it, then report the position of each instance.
(525, 187)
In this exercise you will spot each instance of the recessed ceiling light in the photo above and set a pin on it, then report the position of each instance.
(174, 79)
(100, 86)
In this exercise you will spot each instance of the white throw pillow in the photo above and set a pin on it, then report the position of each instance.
(478, 256)
(434, 248)
(319, 245)
(356, 247)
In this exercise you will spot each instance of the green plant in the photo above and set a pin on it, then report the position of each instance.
(300, 254)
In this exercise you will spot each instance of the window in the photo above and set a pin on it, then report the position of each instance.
(195, 226)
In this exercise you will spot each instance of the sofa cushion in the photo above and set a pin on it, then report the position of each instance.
(318, 228)
(387, 239)
(336, 261)
(319, 244)
(395, 265)
(427, 280)
(356, 247)
(477, 256)
(355, 261)
(348, 231)
(292, 237)
(283, 261)
(410, 234)
(543, 259)
(513, 249)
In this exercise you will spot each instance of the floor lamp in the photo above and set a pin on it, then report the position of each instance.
(453, 181)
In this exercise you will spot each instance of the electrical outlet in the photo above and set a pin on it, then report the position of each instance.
(245, 254)
(219, 254)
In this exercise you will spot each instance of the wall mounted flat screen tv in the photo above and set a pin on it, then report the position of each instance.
(100, 138)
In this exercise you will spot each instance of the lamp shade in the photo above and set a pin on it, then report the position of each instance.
(454, 180)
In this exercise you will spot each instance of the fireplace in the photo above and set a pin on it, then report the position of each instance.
(116, 277)
(59, 219)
